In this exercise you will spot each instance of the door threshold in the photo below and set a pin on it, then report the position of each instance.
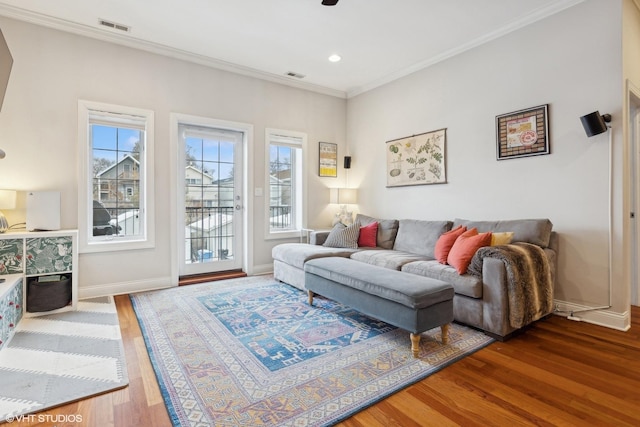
(210, 277)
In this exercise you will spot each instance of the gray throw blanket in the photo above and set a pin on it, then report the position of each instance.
(529, 283)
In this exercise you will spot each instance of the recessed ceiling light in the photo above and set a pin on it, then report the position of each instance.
(335, 58)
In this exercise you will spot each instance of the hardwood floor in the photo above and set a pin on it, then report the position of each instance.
(559, 373)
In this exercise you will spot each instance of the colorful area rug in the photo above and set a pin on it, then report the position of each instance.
(60, 358)
(251, 352)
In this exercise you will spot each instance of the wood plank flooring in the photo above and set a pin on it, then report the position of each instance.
(559, 373)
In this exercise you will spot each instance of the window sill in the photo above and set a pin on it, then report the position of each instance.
(282, 235)
(115, 245)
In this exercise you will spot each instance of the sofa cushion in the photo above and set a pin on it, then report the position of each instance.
(296, 254)
(342, 236)
(445, 243)
(368, 235)
(465, 247)
(534, 231)
(386, 258)
(420, 237)
(387, 229)
(465, 284)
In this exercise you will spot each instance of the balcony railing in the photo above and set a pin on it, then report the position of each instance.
(280, 217)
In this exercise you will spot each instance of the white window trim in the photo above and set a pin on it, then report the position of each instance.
(301, 190)
(85, 197)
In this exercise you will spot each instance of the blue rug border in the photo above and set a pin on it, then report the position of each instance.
(175, 421)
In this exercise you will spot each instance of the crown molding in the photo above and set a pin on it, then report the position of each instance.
(132, 42)
(135, 43)
(535, 16)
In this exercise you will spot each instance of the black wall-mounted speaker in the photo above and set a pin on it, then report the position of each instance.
(347, 162)
(594, 123)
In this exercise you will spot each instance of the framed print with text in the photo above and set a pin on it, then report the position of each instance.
(328, 159)
(523, 133)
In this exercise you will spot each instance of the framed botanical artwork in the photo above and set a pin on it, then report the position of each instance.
(523, 133)
(418, 159)
(328, 159)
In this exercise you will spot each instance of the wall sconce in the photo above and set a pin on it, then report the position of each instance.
(343, 197)
(2, 154)
(347, 162)
(7, 201)
(595, 124)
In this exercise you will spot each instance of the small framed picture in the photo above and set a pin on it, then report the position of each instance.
(328, 159)
(523, 133)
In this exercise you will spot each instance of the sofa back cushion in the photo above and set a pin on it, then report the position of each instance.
(387, 229)
(420, 237)
(534, 231)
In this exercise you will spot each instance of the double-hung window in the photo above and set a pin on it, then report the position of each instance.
(115, 192)
(285, 182)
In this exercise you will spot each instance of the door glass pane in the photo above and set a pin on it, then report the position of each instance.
(209, 200)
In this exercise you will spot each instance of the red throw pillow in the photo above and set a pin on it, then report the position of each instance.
(465, 248)
(445, 242)
(368, 235)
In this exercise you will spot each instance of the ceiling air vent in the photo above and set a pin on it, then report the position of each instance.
(296, 75)
(115, 26)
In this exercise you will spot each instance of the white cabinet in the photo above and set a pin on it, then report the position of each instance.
(47, 262)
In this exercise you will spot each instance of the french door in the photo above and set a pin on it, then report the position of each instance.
(211, 199)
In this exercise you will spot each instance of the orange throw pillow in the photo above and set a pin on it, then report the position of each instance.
(445, 243)
(465, 248)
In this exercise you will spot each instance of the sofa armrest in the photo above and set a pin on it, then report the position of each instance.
(495, 293)
(495, 307)
(318, 237)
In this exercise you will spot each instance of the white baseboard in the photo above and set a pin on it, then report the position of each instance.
(261, 269)
(146, 284)
(124, 287)
(601, 317)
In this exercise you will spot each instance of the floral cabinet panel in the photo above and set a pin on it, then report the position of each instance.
(11, 253)
(49, 255)
(10, 307)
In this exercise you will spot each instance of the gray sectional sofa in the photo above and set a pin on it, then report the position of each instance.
(506, 288)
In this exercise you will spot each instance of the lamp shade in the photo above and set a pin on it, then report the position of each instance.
(343, 196)
(7, 199)
(594, 123)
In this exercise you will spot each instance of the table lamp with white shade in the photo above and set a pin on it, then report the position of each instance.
(343, 197)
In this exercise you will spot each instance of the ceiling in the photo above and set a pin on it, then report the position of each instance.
(378, 40)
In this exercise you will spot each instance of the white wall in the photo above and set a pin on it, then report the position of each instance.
(571, 61)
(38, 130)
